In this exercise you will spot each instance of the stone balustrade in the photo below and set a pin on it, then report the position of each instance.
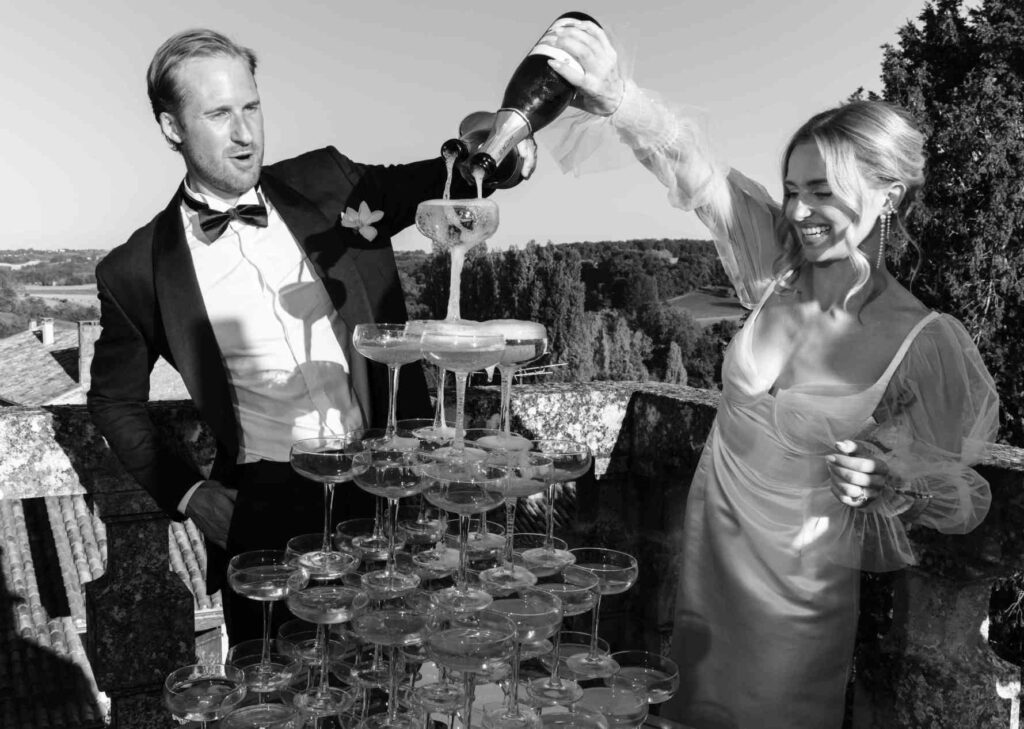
(926, 663)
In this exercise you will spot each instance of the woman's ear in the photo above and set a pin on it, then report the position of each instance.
(894, 197)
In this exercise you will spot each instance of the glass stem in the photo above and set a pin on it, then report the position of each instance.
(594, 626)
(457, 255)
(421, 516)
(392, 528)
(389, 430)
(549, 536)
(268, 608)
(328, 503)
(325, 655)
(468, 685)
(510, 527)
(507, 372)
(378, 518)
(439, 419)
(393, 681)
(320, 641)
(463, 550)
(513, 690)
(460, 411)
(555, 681)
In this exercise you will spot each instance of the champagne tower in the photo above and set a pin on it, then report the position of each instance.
(534, 97)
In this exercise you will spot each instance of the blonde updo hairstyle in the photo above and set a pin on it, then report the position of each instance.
(866, 145)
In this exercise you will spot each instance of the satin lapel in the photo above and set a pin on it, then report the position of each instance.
(323, 242)
(187, 326)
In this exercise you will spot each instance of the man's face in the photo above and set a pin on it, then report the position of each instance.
(219, 125)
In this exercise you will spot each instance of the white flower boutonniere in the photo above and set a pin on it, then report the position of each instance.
(363, 220)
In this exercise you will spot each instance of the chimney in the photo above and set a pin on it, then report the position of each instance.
(47, 332)
(32, 325)
(88, 332)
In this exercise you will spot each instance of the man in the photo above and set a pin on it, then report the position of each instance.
(250, 283)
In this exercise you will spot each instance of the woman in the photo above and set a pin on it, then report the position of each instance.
(848, 409)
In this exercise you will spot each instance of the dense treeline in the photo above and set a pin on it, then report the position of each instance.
(961, 73)
(51, 268)
(602, 303)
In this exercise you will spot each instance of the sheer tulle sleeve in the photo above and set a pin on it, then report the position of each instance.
(937, 419)
(672, 142)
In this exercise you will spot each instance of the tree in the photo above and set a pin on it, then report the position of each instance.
(961, 73)
(675, 372)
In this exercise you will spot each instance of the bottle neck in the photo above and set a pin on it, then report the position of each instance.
(509, 129)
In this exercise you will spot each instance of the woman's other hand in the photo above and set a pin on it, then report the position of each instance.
(858, 475)
(595, 73)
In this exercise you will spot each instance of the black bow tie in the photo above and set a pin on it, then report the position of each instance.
(214, 223)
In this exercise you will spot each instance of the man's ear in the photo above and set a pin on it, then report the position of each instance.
(171, 130)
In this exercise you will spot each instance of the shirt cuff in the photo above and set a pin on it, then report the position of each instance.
(183, 504)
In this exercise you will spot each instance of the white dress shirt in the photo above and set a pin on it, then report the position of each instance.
(278, 335)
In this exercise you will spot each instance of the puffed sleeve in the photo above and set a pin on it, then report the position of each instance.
(937, 419)
(671, 141)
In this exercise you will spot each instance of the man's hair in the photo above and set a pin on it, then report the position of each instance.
(161, 78)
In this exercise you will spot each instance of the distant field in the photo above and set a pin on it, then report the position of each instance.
(84, 295)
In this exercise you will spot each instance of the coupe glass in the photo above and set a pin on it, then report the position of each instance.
(268, 665)
(571, 460)
(393, 345)
(299, 549)
(571, 643)
(437, 429)
(328, 461)
(325, 603)
(577, 589)
(537, 615)
(623, 707)
(359, 537)
(464, 488)
(616, 572)
(306, 636)
(393, 628)
(525, 542)
(457, 225)
(430, 439)
(462, 350)
(651, 675)
(203, 693)
(525, 342)
(575, 717)
(277, 711)
(266, 575)
(392, 474)
(470, 643)
(529, 473)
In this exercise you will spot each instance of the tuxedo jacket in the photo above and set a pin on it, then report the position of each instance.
(151, 306)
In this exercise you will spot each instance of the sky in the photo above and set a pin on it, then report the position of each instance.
(388, 81)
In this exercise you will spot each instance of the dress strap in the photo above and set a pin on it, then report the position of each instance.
(902, 351)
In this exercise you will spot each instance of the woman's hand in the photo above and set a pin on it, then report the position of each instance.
(858, 475)
(595, 73)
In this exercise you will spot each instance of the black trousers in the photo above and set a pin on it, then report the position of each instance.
(273, 505)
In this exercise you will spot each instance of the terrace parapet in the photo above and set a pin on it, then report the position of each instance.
(923, 659)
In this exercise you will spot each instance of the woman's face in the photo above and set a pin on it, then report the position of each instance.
(826, 224)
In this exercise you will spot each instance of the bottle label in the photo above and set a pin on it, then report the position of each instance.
(544, 46)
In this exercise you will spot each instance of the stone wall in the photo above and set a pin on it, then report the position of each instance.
(931, 665)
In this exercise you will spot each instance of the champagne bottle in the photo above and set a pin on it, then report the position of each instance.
(535, 96)
(473, 131)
